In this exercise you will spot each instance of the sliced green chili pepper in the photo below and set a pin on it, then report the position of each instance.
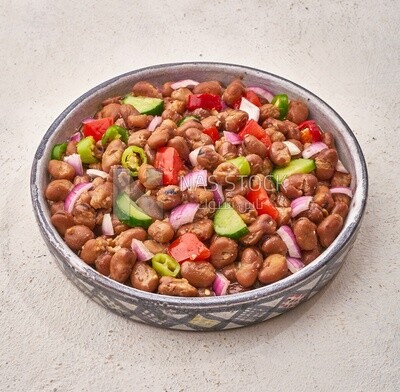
(85, 149)
(115, 132)
(165, 265)
(242, 164)
(132, 158)
(281, 101)
(58, 151)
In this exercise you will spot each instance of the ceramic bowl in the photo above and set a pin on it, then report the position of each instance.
(215, 313)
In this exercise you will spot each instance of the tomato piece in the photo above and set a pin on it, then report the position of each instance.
(310, 132)
(252, 128)
(252, 97)
(267, 141)
(97, 128)
(259, 198)
(188, 247)
(213, 133)
(204, 101)
(169, 162)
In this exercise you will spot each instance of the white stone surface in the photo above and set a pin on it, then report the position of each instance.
(53, 338)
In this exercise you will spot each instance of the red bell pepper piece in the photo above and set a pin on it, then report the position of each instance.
(252, 128)
(309, 132)
(259, 198)
(213, 133)
(169, 162)
(97, 128)
(188, 247)
(252, 97)
(204, 101)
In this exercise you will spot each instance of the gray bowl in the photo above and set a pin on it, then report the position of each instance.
(215, 313)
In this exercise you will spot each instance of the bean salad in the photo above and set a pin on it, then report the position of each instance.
(198, 188)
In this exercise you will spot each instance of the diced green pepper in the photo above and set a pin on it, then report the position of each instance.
(130, 213)
(242, 164)
(132, 158)
(281, 101)
(85, 148)
(58, 151)
(188, 118)
(115, 132)
(296, 166)
(228, 223)
(165, 265)
(145, 105)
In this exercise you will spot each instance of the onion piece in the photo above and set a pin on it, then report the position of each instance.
(194, 154)
(293, 149)
(107, 226)
(294, 264)
(193, 180)
(73, 196)
(232, 138)
(97, 173)
(142, 253)
(300, 204)
(76, 137)
(286, 233)
(262, 92)
(76, 162)
(184, 83)
(252, 110)
(340, 167)
(154, 123)
(313, 149)
(220, 284)
(183, 214)
(218, 192)
(342, 189)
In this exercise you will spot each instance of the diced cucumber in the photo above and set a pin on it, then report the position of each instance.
(145, 105)
(130, 213)
(296, 166)
(228, 223)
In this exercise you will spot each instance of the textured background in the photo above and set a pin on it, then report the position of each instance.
(54, 339)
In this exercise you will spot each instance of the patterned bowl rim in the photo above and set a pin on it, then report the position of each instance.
(58, 247)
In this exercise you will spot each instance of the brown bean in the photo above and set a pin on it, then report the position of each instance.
(144, 278)
(199, 274)
(195, 138)
(223, 252)
(203, 229)
(279, 154)
(102, 196)
(211, 121)
(310, 255)
(139, 138)
(274, 268)
(180, 145)
(209, 87)
(121, 264)
(76, 236)
(62, 221)
(111, 110)
(161, 231)
(341, 179)
(166, 89)
(102, 264)
(298, 112)
(341, 209)
(145, 89)
(176, 287)
(274, 245)
(323, 197)
(275, 135)
(209, 158)
(71, 148)
(233, 120)
(241, 188)
(118, 226)
(264, 224)
(226, 173)
(60, 170)
(244, 208)
(80, 179)
(84, 214)
(229, 272)
(92, 249)
(57, 190)
(315, 213)
(236, 288)
(250, 262)
(149, 176)
(233, 92)
(169, 197)
(175, 106)
(256, 163)
(251, 145)
(325, 163)
(124, 239)
(268, 110)
(140, 121)
(328, 139)
(284, 216)
(55, 207)
(159, 138)
(199, 195)
(113, 154)
(329, 229)
(182, 94)
(298, 185)
(305, 233)
(155, 247)
(226, 149)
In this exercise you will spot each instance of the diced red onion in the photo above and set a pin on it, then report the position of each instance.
(193, 180)
(218, 192)
(294, 264)
(340, 167)
(313, 149)
(194, 154)
(142, 253)
(252, 110)
(73, 196)
(97, 173)
(293, 149)
(154, 123)
(232, 138)
(262, 92)
(183, 214)
(220, 284)
(87, 120)
(300, 204)
(286, 233)
(76, 137)
(76, 162)
(342, 189)
(106, 226)
(184, 83)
